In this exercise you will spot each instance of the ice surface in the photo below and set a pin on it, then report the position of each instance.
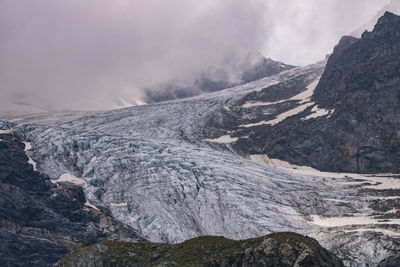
(174, 191)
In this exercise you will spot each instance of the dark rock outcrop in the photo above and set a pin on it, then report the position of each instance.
(361, 84)
(41, 221)
(279, 249)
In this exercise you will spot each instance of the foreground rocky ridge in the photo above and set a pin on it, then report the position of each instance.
(279, 249)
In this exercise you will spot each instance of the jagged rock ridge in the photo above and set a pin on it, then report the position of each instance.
(393, 7)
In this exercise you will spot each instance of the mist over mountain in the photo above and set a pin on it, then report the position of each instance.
(250, 67)
(101, 55)
(393, 6)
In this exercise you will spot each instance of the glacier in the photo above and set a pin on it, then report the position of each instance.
(161, 169)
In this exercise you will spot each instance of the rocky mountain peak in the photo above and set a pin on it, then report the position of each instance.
(388, 19)
(387, 26)
(375, 53)
(393, 7)
(344, 43)
(361, 82)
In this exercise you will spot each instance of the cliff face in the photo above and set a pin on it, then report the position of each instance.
(280, 249)
(360, 88)
(369, 65)
(41, 221)
(362, 83)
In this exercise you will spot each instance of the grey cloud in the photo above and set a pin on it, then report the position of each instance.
(81, 53)
(307, 30)
(92, 54)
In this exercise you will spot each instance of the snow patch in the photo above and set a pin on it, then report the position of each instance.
(263, 159)
(5, 131)
(377, 230)
(361, 219)
(384, 198)
(304, 97)
(392, 211)
(90, 205)
(382, 183)
(225, 139)
(122, 204)
(387, 182)
(28, 146)
(68, 177)
(318, 112)
(377, 181)
(281, 117)
(307, 94)
(260, 104)
(336, 200)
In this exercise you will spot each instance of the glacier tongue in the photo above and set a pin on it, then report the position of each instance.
(174, 191)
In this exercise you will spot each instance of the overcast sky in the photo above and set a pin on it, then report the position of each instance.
(78, 54)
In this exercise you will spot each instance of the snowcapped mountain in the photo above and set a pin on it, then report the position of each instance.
(212, 164)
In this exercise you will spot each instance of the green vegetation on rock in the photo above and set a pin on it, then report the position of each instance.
(278, 249)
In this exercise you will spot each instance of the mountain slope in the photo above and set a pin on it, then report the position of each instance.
(348, 121)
